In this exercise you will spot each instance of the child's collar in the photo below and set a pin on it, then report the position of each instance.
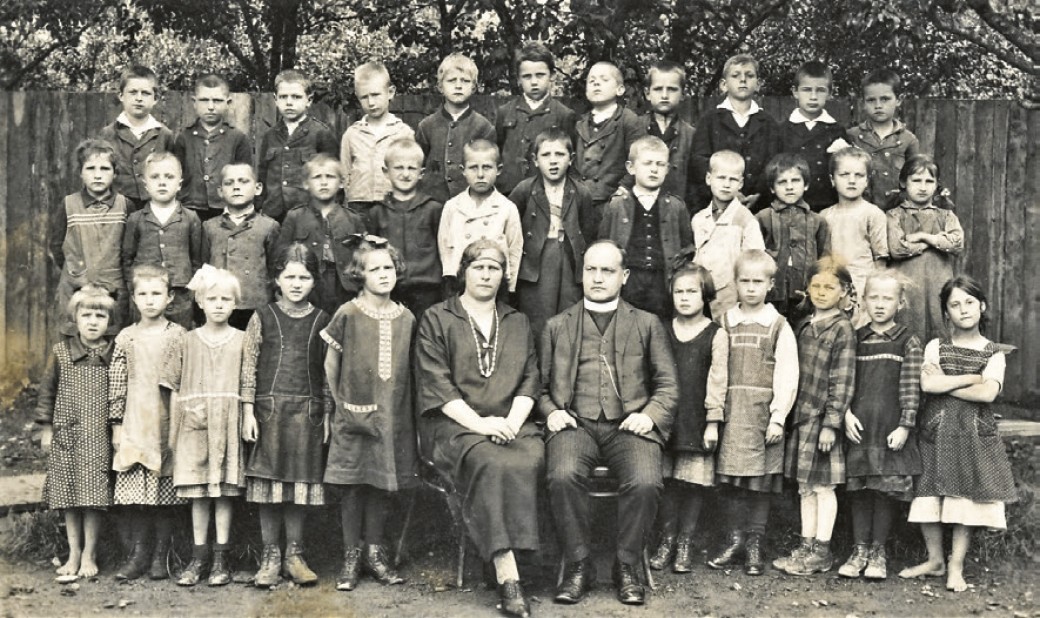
(727, 104)
(605, 112)
(535, 105)
(149, 123)
(797, 117)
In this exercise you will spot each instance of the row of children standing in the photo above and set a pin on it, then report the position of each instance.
(615, 168)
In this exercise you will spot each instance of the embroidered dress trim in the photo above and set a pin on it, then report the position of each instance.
(385, 319)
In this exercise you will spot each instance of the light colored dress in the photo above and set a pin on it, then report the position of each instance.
(859, 235)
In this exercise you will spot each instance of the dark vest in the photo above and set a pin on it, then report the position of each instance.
(595, 389)
(644, 250)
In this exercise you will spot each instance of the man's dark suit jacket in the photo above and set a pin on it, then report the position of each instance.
(643, 359)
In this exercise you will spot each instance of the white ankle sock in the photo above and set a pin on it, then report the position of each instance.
(505, 566)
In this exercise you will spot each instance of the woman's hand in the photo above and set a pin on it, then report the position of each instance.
(897, 439)
(853, 428)
(497, 428)
(826, 441)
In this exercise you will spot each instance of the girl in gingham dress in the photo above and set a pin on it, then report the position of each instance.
(140, 422)
(813, 455)
(966, 477)
(73, 408)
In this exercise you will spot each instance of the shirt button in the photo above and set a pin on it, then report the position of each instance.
(161, 232)
(162, 246)
(206, 177)
(287, 148)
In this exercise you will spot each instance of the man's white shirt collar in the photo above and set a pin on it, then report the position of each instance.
(607, 307)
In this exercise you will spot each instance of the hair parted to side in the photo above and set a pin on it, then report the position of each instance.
(356, 268)
(223, 171)
(206, 279)
(665, 66)
(533, 51)
(478, 249)
(371, 70)
(404, 147)
(725, 157)
(813, 69)
(149, 272)
(212, 80)
(786, 161)
(837, 266)
(90, 296)
(457, 62)
(704, 279)
(292, 76)
(755, 258)
(295, 252)
(883, 76)
(738, 60)
(138, 71)
(161, 156)
(480, 146)
(850, 152)
(647, 143)
(972, 288)
(93, 147)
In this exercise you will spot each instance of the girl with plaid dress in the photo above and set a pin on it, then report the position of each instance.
(966, 477)
(813, 455)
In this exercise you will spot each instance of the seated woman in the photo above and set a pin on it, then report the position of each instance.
(478, 379)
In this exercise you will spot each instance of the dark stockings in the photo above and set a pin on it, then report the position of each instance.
(271, 518)
(872, 514)
(748, 510)
(680, 508)
(363, 511)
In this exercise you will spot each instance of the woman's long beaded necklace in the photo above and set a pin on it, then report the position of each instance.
(487, 352)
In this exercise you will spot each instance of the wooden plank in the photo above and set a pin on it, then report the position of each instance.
(924, 124)
(20, 147)
(47, 186)
(1023, 192)
(962, 183)
(6, 376)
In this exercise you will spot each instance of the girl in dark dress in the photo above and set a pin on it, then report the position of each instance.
(478, 379)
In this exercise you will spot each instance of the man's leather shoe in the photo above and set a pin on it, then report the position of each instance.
(629, 590)
(577, 580)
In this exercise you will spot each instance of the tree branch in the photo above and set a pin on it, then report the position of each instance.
(45, 53)
(1022, 41)
(947, 23)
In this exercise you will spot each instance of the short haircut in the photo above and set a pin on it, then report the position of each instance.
(972, 288)
(223, 171)
(473, 252)
(647, 143)
(404, 147)
(609, 242)
(480, 145)
(212, 80)
(552, 135)
(883, 76)
(534, 51)
(369, 71)
(850, 152)
(138, 71)
(211, 278)
(294, 252)
(755, 258)
(724, 157)
(356, 268)
(91, 296)
(292, 76)
(618, 75)
(161, 156)
(738, 60)
(149, 272)
(708, 292)
(814, 69)
(786, 161)
(94, 147)
(320, 160)
(457, 62)
(665, 66)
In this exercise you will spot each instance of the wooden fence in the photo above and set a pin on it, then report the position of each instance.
(985, 149)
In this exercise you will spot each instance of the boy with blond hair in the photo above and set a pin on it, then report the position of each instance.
(287, 145)
(135, 133)
(444, 133)
(205, 146)
(363, 147)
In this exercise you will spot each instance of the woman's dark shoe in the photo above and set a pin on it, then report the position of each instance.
(377, 565)
(219, 573)
(728, 555)
(348, 574)
(136, 563)
(161, 553)
(683, 556)
(197, 568)
(512, 601)
(296, 567)
(753, 563)
(664, 554)
(577, 580)
(270, 563)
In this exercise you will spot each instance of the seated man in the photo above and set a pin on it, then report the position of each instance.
(609, 393)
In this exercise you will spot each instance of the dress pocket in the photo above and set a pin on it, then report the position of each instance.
(985, 425)
(194, 417)
(362, 420)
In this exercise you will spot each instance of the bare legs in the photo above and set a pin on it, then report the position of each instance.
(935, 566)
(81, 527)
(200, 510)
(273, 515)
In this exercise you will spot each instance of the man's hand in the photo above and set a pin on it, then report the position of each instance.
(637, 423)
(559, 420)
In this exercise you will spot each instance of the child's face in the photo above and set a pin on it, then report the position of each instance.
(535, 79)
(91, 324)
(481, 171)
(741, 82)
(687, 296)
(882, 300)
(151, 296)
(789, 186)
(850, 178)
(602, 86)
(162, 180)
(665, 92)
(812, 93)
(211, 104)
(725, 181)
(649, 168)
(753, 284)
(380, 273)
(374, 95)
(457, 87)
(295, 282)
(323, 182)
(97, 174)
(404, 173)
(292, 100)
(217, 303)
(880, 103)
(552, 160)
(239, 187)
(826, 291)
(921, 186)
(964, 310)
(138, 97)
